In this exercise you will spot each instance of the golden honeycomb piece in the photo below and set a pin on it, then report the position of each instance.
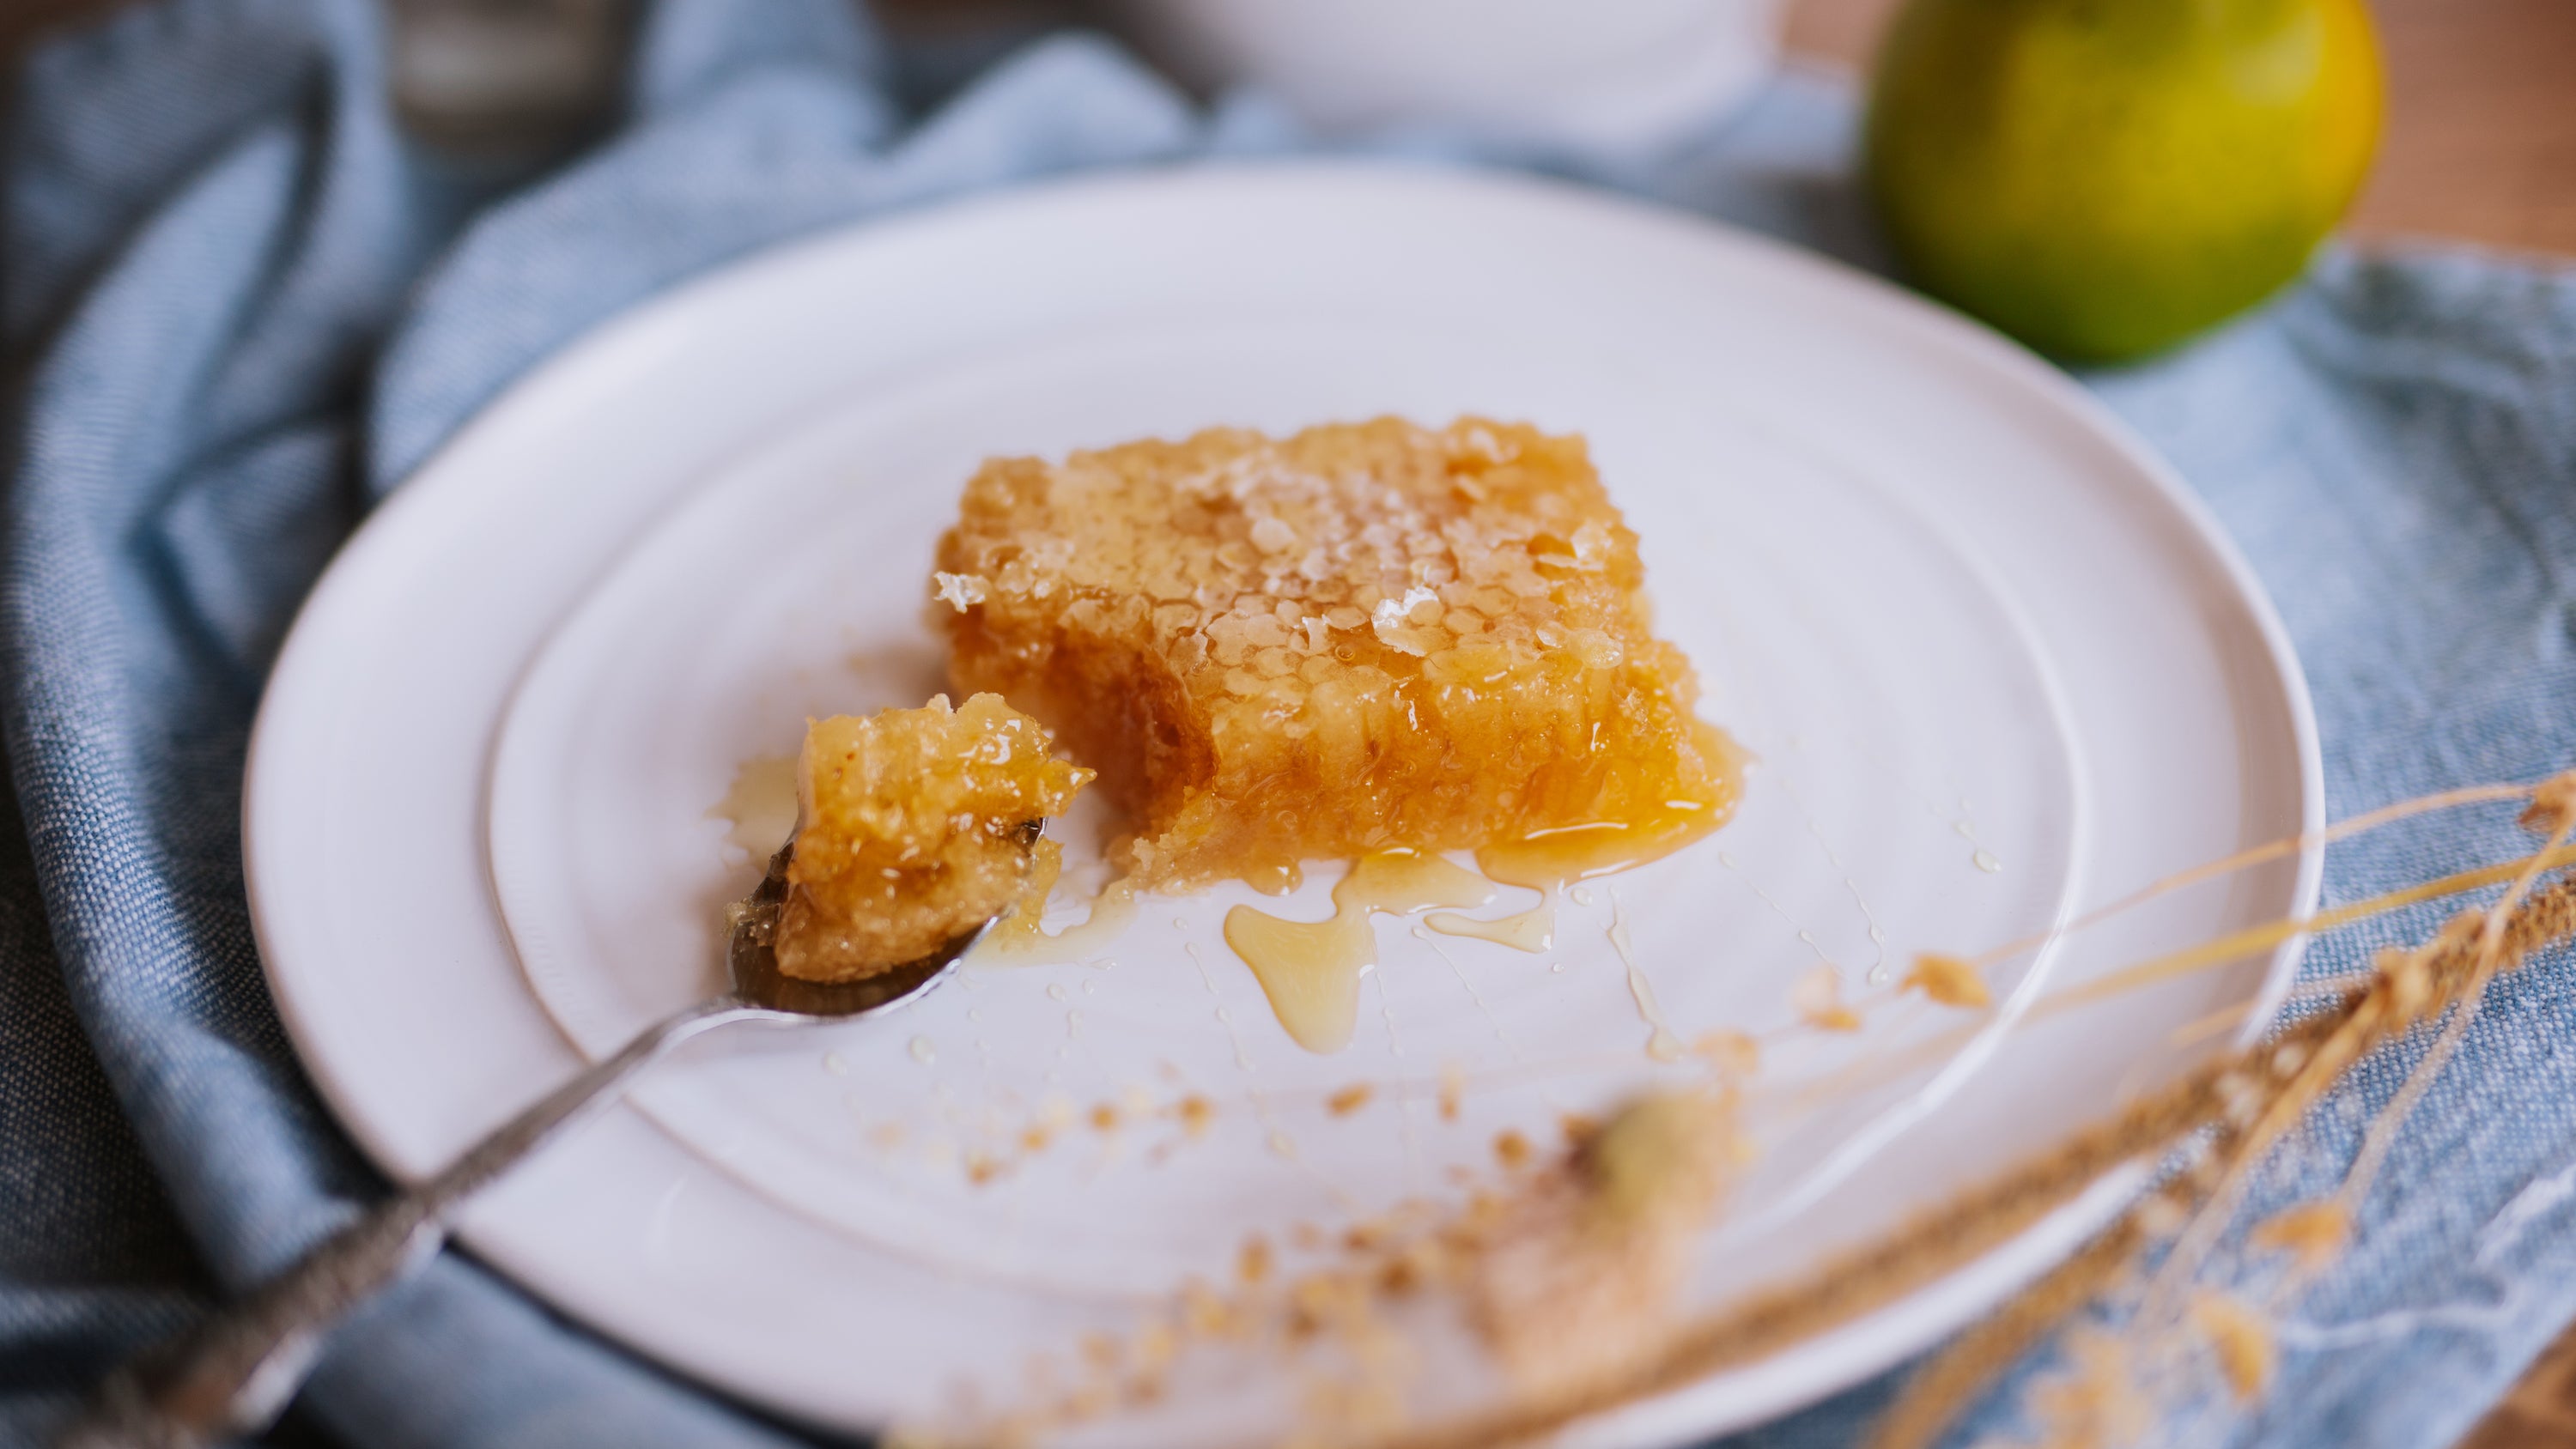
(1360, 637)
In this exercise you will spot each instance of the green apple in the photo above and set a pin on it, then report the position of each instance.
(2102, 178)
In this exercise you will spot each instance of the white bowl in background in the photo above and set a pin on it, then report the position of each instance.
(1598, 74)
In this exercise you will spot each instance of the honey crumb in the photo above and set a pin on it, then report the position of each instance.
(1817, 997)
(1252, 1262)
(1349, 1099)
(1205, 1314)
(1323, 1300)
(1398, 1277)
(1949, 980)
(1511, 1149)
(1731, 1052)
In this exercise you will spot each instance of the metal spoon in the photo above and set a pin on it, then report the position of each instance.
(234, 1373)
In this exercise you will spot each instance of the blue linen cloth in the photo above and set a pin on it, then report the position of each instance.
(240, 306)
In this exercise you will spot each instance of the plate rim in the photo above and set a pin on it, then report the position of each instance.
(291, 675)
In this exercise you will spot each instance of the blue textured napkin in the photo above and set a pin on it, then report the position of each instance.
(240, 307)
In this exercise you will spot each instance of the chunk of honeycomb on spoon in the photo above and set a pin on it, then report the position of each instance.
(915, 827)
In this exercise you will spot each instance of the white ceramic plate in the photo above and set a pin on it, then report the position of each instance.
(1994, 662)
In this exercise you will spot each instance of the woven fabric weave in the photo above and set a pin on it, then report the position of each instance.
(241, 306)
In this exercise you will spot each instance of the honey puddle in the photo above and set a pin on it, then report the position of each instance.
(1531, 930)
(1022, 940)
(1311, 970)
(1551, 860)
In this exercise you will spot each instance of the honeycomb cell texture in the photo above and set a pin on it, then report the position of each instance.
(1359, 637)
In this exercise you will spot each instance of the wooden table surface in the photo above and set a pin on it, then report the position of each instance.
(2481, 146)
(2481, 138)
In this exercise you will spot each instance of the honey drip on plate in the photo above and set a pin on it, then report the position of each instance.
(761, 805)
(1532, 930)
(1661, 1044)
(1311, 970)
(1020, 940)
(1552, 860)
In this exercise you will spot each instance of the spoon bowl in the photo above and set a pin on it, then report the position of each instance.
(751, 957)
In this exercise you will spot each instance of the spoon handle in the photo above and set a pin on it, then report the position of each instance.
(234, 1373)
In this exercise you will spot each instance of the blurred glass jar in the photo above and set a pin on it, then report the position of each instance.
(1591, 74)
(506, 78)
